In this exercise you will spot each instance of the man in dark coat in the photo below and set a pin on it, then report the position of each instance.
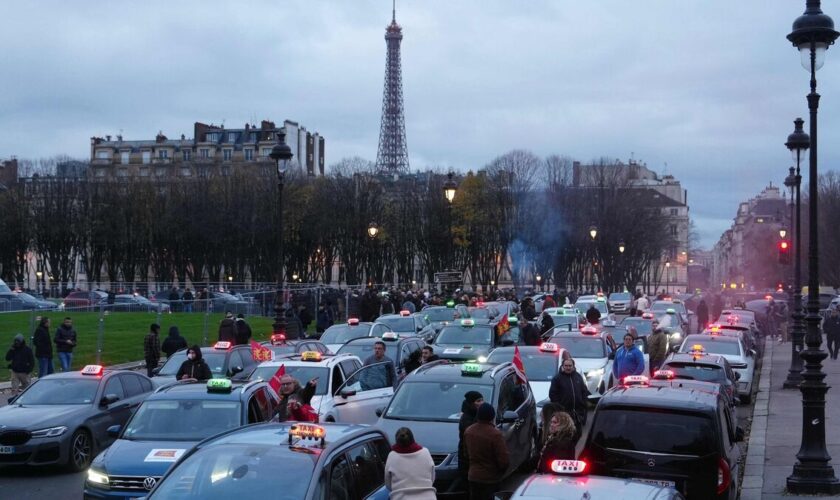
(702, 315)
(174, 342)
(65, 342)
(227, 329)
(488, 453)
(305, 317)
(194, 367)
(43, 347)
(569, 390)
(593, 315)
(151, 348)
(22, 363)
(323, 319)
(831, 325)
(469, 408)
(243, 330)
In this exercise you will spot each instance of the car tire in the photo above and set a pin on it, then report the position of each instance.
(745, 398)
(81, 451)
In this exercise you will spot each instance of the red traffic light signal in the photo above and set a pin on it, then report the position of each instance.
(784, 252)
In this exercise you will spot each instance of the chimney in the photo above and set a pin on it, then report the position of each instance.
(247, 127)
(108, 138)
(119, 137)
(159, 138)
(183, 137)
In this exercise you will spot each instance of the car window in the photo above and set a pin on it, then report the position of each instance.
(337, 379)
(265, 402)
(145, 384)
(726, 427)
(350, 366)
(368, 467)
(368, 378)
(659, 431)
(247, 358)
(255, 414)
(113, 386)
(131, 385)
(341, 480)
(511, 395)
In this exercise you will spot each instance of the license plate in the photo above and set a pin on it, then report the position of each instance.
(7, 450)
(656, 482)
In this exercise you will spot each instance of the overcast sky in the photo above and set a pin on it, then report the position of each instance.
(705, 90)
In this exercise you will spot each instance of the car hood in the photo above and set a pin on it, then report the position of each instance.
(437, 437)
(40, 416)
(140, 458)
(460, 351)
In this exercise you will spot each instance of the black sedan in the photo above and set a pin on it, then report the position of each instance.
(137, 303)
(19, 301)
(63, 418)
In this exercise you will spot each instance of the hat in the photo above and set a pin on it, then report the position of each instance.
(486, 413)
(19, 337)
(473, 396)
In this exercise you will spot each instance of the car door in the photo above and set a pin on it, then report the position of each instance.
(512, 398)
(135, 392)
(116, 413)
(368, 471)
(367, 389)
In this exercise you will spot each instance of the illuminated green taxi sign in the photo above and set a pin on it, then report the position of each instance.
(219, 385)
(471, 369)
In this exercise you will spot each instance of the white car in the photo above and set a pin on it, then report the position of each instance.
(732, 348)
(592, 355)
(346, 391)
(620, 302)
(339, 334)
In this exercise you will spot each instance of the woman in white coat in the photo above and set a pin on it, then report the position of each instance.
(409, 470)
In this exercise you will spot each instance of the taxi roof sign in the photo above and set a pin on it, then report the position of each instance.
(634, 380)
(450, 303)
(471, 369)
(405, 312)
(647, 315)
(670, 310)
(390, 336)
(513, 319)
(307, 431)
(467, 322)
(568, 466)
(222, 345)
(352, 321)
(589, 330)
(278, 339)
(664, 374)
(549, 347)
(310, 356)
(92, 370)
(219, 385)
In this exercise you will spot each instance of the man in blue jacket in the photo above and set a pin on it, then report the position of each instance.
(629, 360)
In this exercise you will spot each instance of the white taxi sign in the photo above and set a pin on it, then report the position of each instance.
(568, 466)
(92, 370)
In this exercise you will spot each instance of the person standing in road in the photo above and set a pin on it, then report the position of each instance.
(188, 300)
(323, 318)
(629, 360)
(488, 453)
(469, 409)
(65, 342)
(560, 441)
(593, 315)
(702, 315)
(243, 330)
(657, 345)
(227, 329)
(568, 389)
(642, 304)
(174, 342)
(831, 325)
(294, 328)
(380, 378)
(194, 367)
(291, 393)
(43, 347)
(151, 348)
(409, 469)
(22, 363)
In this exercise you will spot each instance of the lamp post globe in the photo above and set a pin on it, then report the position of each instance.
(621, 247)
(813, 32)
(281, 153)
(372, 230)
(450, 187)
(593, 232)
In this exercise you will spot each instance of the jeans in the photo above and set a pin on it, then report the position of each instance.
(832, 346)
(482, 491)
(45, 367)
(65, 359)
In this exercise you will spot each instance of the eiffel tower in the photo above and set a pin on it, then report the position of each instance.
(392, 157)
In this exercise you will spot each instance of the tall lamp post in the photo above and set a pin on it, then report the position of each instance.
(813, 32)
(281, 153)
(372, 231)
(798, 142)
(593, 233)
(621, 248)
(450, 187)
(667, 277)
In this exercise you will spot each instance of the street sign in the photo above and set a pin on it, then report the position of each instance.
(449, 277)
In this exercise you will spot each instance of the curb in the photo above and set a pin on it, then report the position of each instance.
(753, 481)
(131, 365)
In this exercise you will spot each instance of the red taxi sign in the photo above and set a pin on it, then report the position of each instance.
(589, 330)
(568, 466)
(635, 380)
(307, 431)
(278, 339)
(92, 370)
(352, 321)
(647, 315)
(222, 345)
(549, 347)
(664, 374)
(405, 312)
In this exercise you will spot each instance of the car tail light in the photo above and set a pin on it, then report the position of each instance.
(724, 476)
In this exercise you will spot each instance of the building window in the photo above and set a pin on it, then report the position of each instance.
(265, 152)
(102, 155)
(232, 136)
(144, 171)
(100, 172)
(187, 154)
(226, 170)
(249, 154)
(147, 157)
(204, 153)
(674, 212)
(226, 154)
(673, 229)
(213, 137)
(125, 157)
(163, 154)
(160, 171)
(123, 172)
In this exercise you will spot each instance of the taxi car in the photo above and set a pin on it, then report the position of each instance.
(280, 346)
(63, 418)
(569, 480)
(700, 365)
(436, 425)
(564, 316)
(620, 302)
(593, 354)
(733, 349)
(339, 334)
(440, 316)
(401, 350)
(405, 323)
(683, 315)
(682, 438)
(465, 340)
(166, 425)
(293, 461)
(224, 359)
(345, 390)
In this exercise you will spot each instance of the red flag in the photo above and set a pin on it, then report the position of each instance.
(275, 379)
(504, 325)
(261, 353)
(518, 366)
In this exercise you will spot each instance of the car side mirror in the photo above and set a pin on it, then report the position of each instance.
(611, 355)
(502, 495)
(379, 411)
(109, 399)
(347, 392)
(235, 369)
(114, 431)
(11, 399)
(752, 352)
(737, 376)
(156, 370)
(509, 417)
(739, 434)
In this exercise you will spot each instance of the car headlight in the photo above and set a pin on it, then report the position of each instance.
(595, 373)
(48, 433)
(96, 477)
(482, 359)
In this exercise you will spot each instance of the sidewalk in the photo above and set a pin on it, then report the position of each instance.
(777, 426)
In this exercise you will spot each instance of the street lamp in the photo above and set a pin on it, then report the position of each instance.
(38, 276)
(667, 276)
(813, 32)
(294, 277)
(621, 247)
(450, 187)
(782, 233)
(539, 279)
(372, 230)
(593, 232)
(281, 153)
(798, 142)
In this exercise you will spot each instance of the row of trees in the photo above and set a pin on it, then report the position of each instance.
(520, 216)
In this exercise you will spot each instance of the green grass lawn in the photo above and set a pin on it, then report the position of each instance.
(123, 333)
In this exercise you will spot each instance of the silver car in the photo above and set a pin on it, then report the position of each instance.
(732, 348)
(593, 358)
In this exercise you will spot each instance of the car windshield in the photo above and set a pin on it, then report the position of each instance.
(582, 307)
(663, 306)
(440, 314)
(479, 312)
(301, 373)
(582, 347)
(642, 326)
(234, 470)
(712, 347)
(184, 420)
(706, 373)
(411, 402)
(215, 360)
(364, 351)
(539, 366)
(340, 334)
(60, 391)
(226, 297)
(398, 324)
(465, 335)
(659, 431)
(26, 298)
(620, 296)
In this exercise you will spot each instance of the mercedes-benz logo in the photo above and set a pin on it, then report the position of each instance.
(651, 462)
(149, 483)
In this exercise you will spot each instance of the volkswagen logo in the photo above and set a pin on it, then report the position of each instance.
(149, 483)
(651, 463)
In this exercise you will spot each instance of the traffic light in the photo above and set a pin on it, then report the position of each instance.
(784, 252)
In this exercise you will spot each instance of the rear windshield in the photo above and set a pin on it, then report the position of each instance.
(341, 334)
(442, 314)
(705, 373)
(642, 326)
(654, 431)
(398, 324)
(713, 347)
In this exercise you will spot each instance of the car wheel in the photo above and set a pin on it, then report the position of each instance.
(81, 450)
(745, 398)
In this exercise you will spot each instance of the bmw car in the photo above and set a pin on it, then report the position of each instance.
(466, 340)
